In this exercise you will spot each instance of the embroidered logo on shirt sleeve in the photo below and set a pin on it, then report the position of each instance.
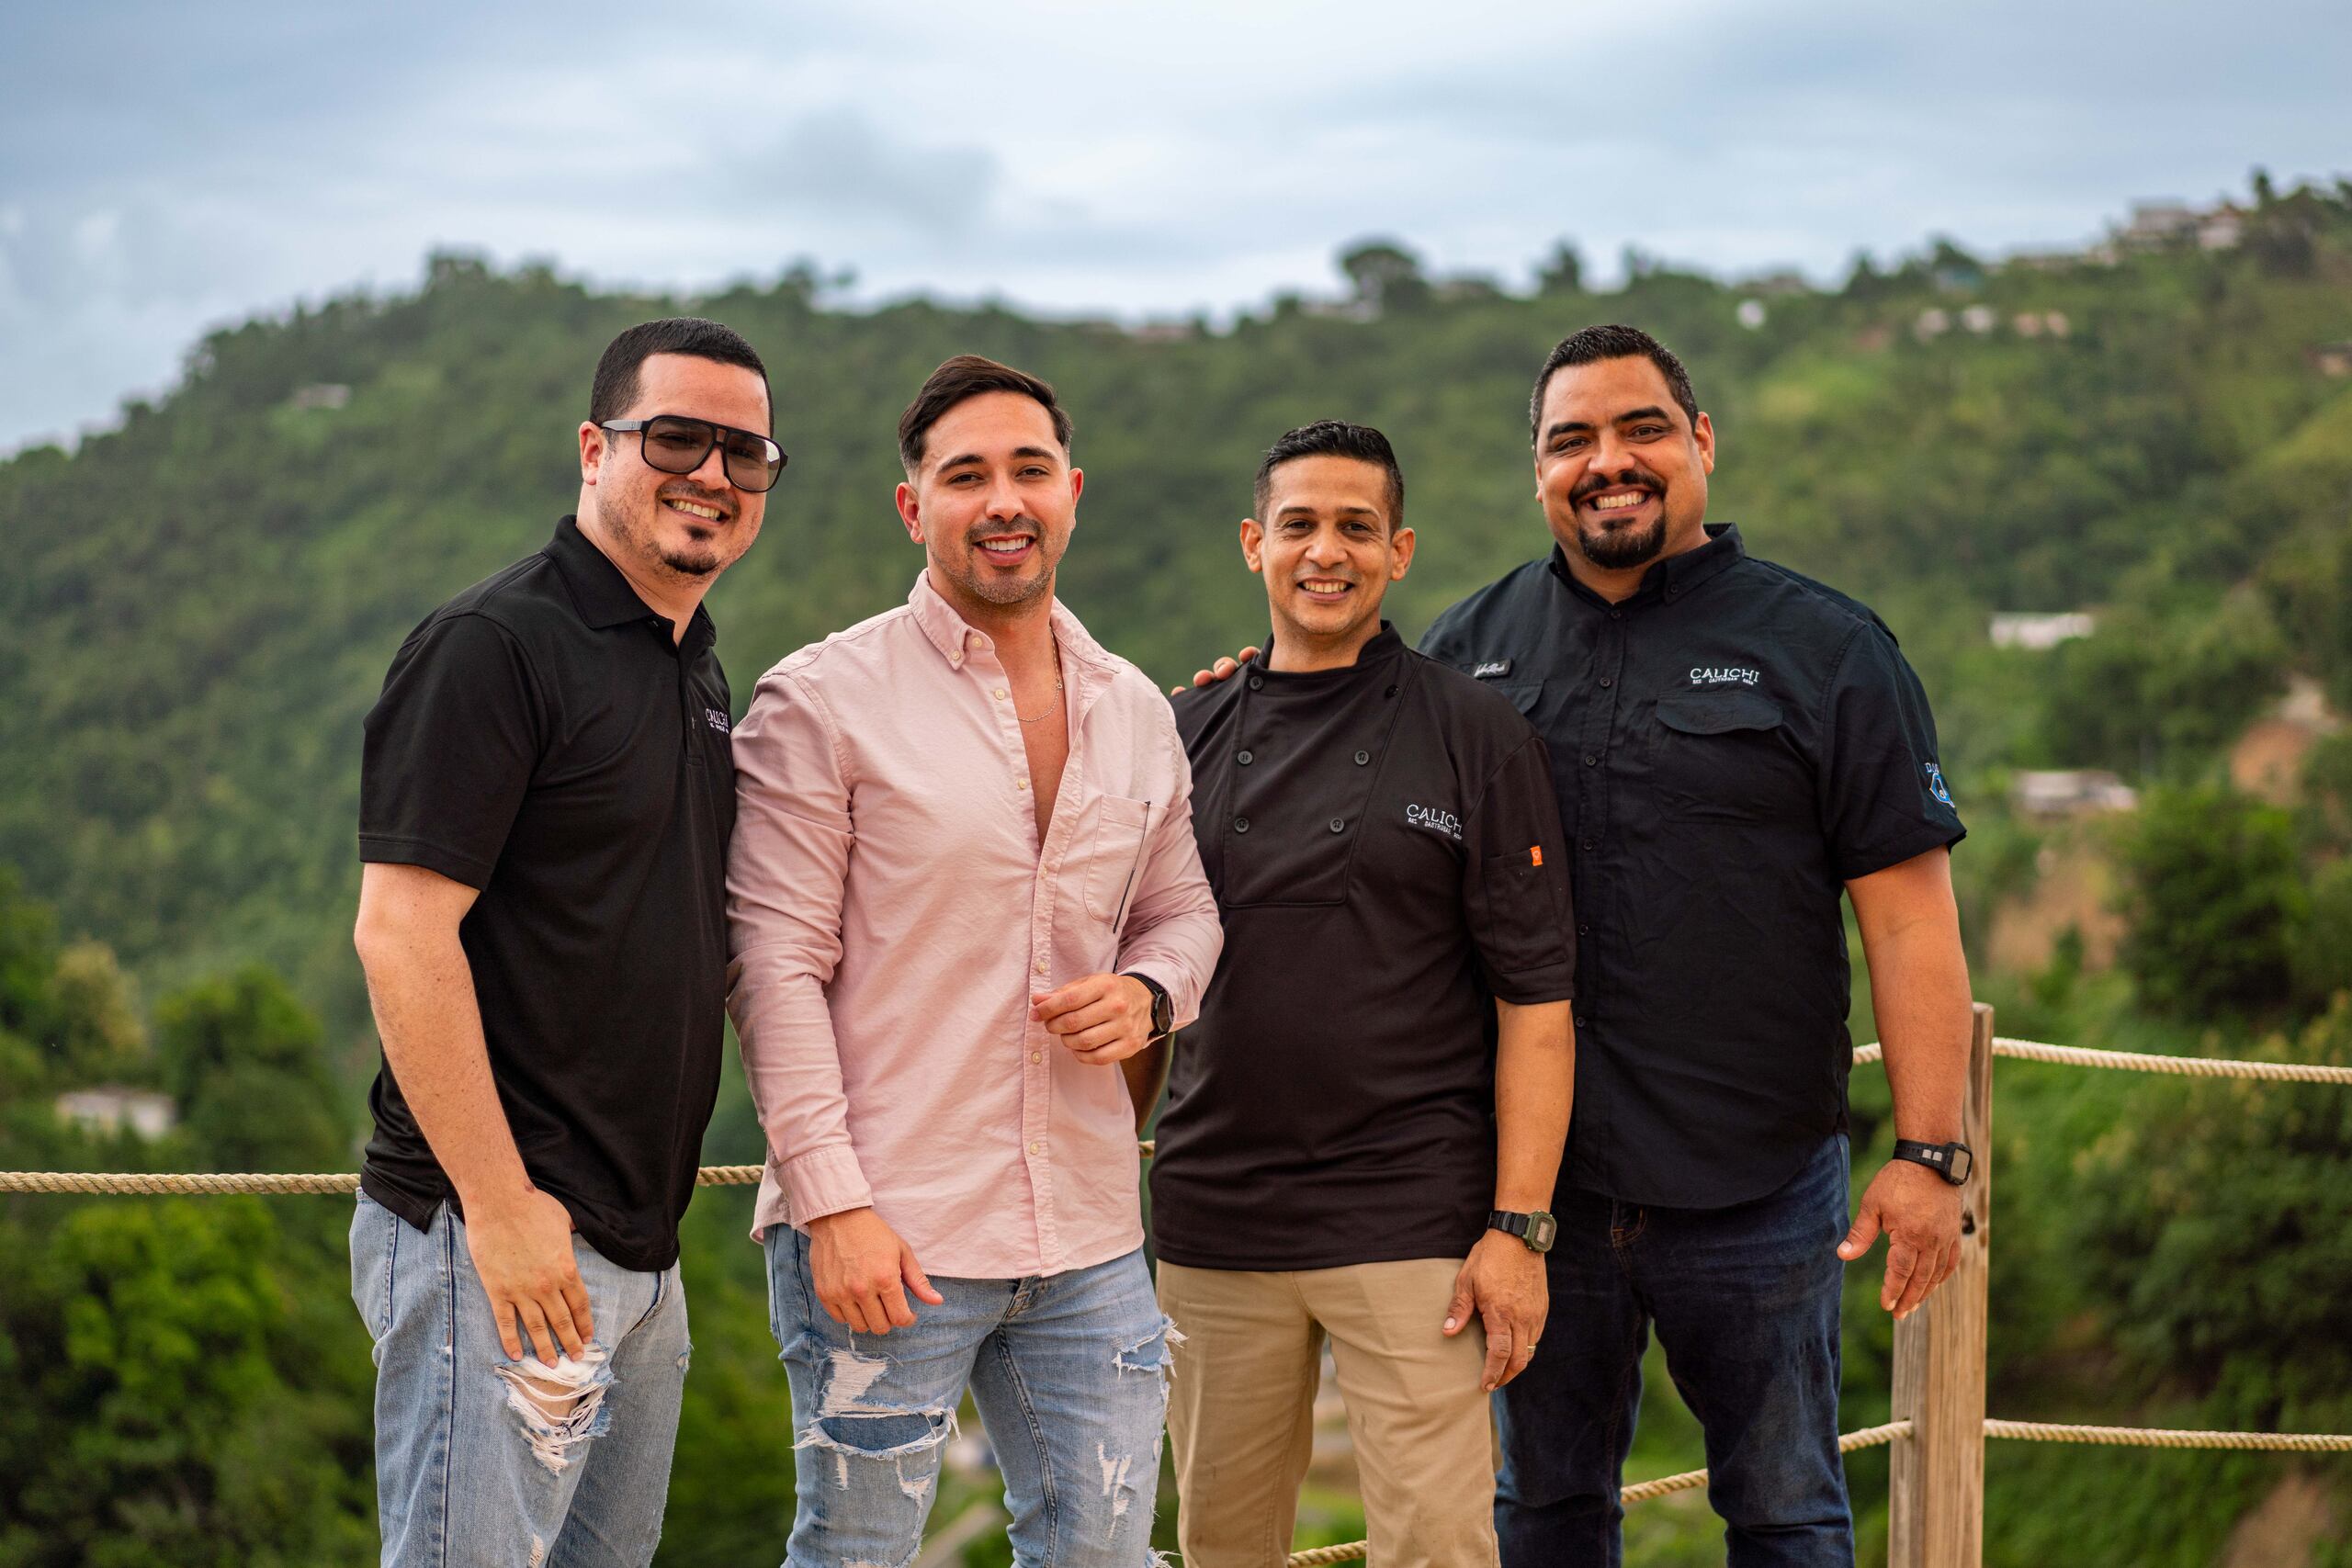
(717, 719)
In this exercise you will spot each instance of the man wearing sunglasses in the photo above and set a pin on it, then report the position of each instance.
(546, 797)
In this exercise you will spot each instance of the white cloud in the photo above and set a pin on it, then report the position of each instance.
(1152, 158)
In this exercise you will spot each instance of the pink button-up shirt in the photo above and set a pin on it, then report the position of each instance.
(890, 913)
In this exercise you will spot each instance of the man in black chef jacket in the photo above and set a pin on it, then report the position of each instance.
(1364, 1126)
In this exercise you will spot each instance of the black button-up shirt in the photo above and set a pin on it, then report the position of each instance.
(1386, 855)
(1731, 744)
(543, 737)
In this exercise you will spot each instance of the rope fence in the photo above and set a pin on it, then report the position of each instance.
(136, 1183)
(2145, 1062)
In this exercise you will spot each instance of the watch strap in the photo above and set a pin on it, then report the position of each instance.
(1953, 1161)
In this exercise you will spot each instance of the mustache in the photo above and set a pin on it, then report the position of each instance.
(1018, 525)
(698, 495)
(1635, 478)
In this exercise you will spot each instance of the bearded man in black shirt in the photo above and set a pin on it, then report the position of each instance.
(1365, 1125)
(545, 801)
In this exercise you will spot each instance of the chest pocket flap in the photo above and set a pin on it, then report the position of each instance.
(1718, 713)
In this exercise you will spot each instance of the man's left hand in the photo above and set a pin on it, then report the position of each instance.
(1502, 1281)
(1919, 1212)
(1102, 1018)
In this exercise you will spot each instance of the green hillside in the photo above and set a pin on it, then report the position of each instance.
(197, 608)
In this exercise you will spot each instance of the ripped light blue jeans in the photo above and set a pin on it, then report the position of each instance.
(481, 1459)
(1068, 1371)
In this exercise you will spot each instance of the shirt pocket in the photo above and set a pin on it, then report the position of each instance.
(1110, 850)
(1527, 696)
(1720, 754)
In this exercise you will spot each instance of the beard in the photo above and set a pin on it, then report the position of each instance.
(1620, 549)
(995, 588)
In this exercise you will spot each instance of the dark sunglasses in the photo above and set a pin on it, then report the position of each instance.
(676, 444)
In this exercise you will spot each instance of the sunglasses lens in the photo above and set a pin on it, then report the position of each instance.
(753, 462)
(677, 446)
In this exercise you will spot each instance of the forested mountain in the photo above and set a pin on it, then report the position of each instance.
(196, 609)
(199, 606)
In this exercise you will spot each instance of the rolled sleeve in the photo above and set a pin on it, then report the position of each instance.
(449, 749)
(1515, 883)
(1882, 795)
(786, 867)
(1174, 934)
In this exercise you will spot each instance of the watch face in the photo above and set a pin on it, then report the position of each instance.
(1541, 1228)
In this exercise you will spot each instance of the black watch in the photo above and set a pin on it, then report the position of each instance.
(1952, 1161)
(1163, 1006)
(1537, 1229)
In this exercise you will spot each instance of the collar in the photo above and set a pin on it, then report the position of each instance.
(1673, 577)
(603, 596)
(1385, 646)
(957, 638)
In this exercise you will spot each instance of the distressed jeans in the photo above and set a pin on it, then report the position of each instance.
(1069, 1374)
(481, 1459)
(1746, 1303)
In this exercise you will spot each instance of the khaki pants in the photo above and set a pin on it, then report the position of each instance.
(1240, 1410)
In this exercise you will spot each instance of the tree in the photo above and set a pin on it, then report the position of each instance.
(2212, 901)
(1385, 275)
(245, 1062)
(1562, 273)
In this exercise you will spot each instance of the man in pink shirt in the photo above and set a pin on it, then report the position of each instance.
(966, 908)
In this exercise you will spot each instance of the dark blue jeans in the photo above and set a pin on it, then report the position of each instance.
(1746, 1303)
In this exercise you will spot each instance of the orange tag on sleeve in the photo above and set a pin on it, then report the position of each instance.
(1535, 853)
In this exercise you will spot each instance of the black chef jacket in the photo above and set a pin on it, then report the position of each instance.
(1730, 745)
(542, 738)
(1388, 860)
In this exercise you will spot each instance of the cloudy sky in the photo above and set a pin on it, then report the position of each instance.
(166, 167)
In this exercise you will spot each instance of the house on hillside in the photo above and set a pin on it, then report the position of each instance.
(2040, 630)
(2267, 760)
(110, 1108)
(2070, 792)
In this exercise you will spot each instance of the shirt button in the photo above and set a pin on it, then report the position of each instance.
(1024, 783)
(1255, 682)
(1241, 824)
(1038, 1148)
(1037, 1056)
(1583, 1022)
(1587, 844)
(1361, 758)
(999, 692)
(1605, 682)
(1338, 825)
(1584, 931)
(1616, 615)
(1041, 966)
(1243, 759)
(1590, 761)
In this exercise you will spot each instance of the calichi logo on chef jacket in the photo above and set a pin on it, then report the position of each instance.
(1436, 818)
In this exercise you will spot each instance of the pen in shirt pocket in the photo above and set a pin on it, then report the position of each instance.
(1142, 840)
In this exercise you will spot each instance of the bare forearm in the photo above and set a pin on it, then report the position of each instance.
(426, 1013)
(1147, 1075)
(1535, 1075)
(1910, 926)
(1920, 990)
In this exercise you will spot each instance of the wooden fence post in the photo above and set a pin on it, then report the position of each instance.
(1936, 1518)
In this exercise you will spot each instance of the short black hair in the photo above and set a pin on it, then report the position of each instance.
(1335, 438)
(615, 388)
(1591, 344)
(965, 377)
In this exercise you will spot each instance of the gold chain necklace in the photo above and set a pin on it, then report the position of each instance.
(1058, 692)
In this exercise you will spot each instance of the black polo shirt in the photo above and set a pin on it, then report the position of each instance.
(1732, 744)
(1386, 859)
(542, 739)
